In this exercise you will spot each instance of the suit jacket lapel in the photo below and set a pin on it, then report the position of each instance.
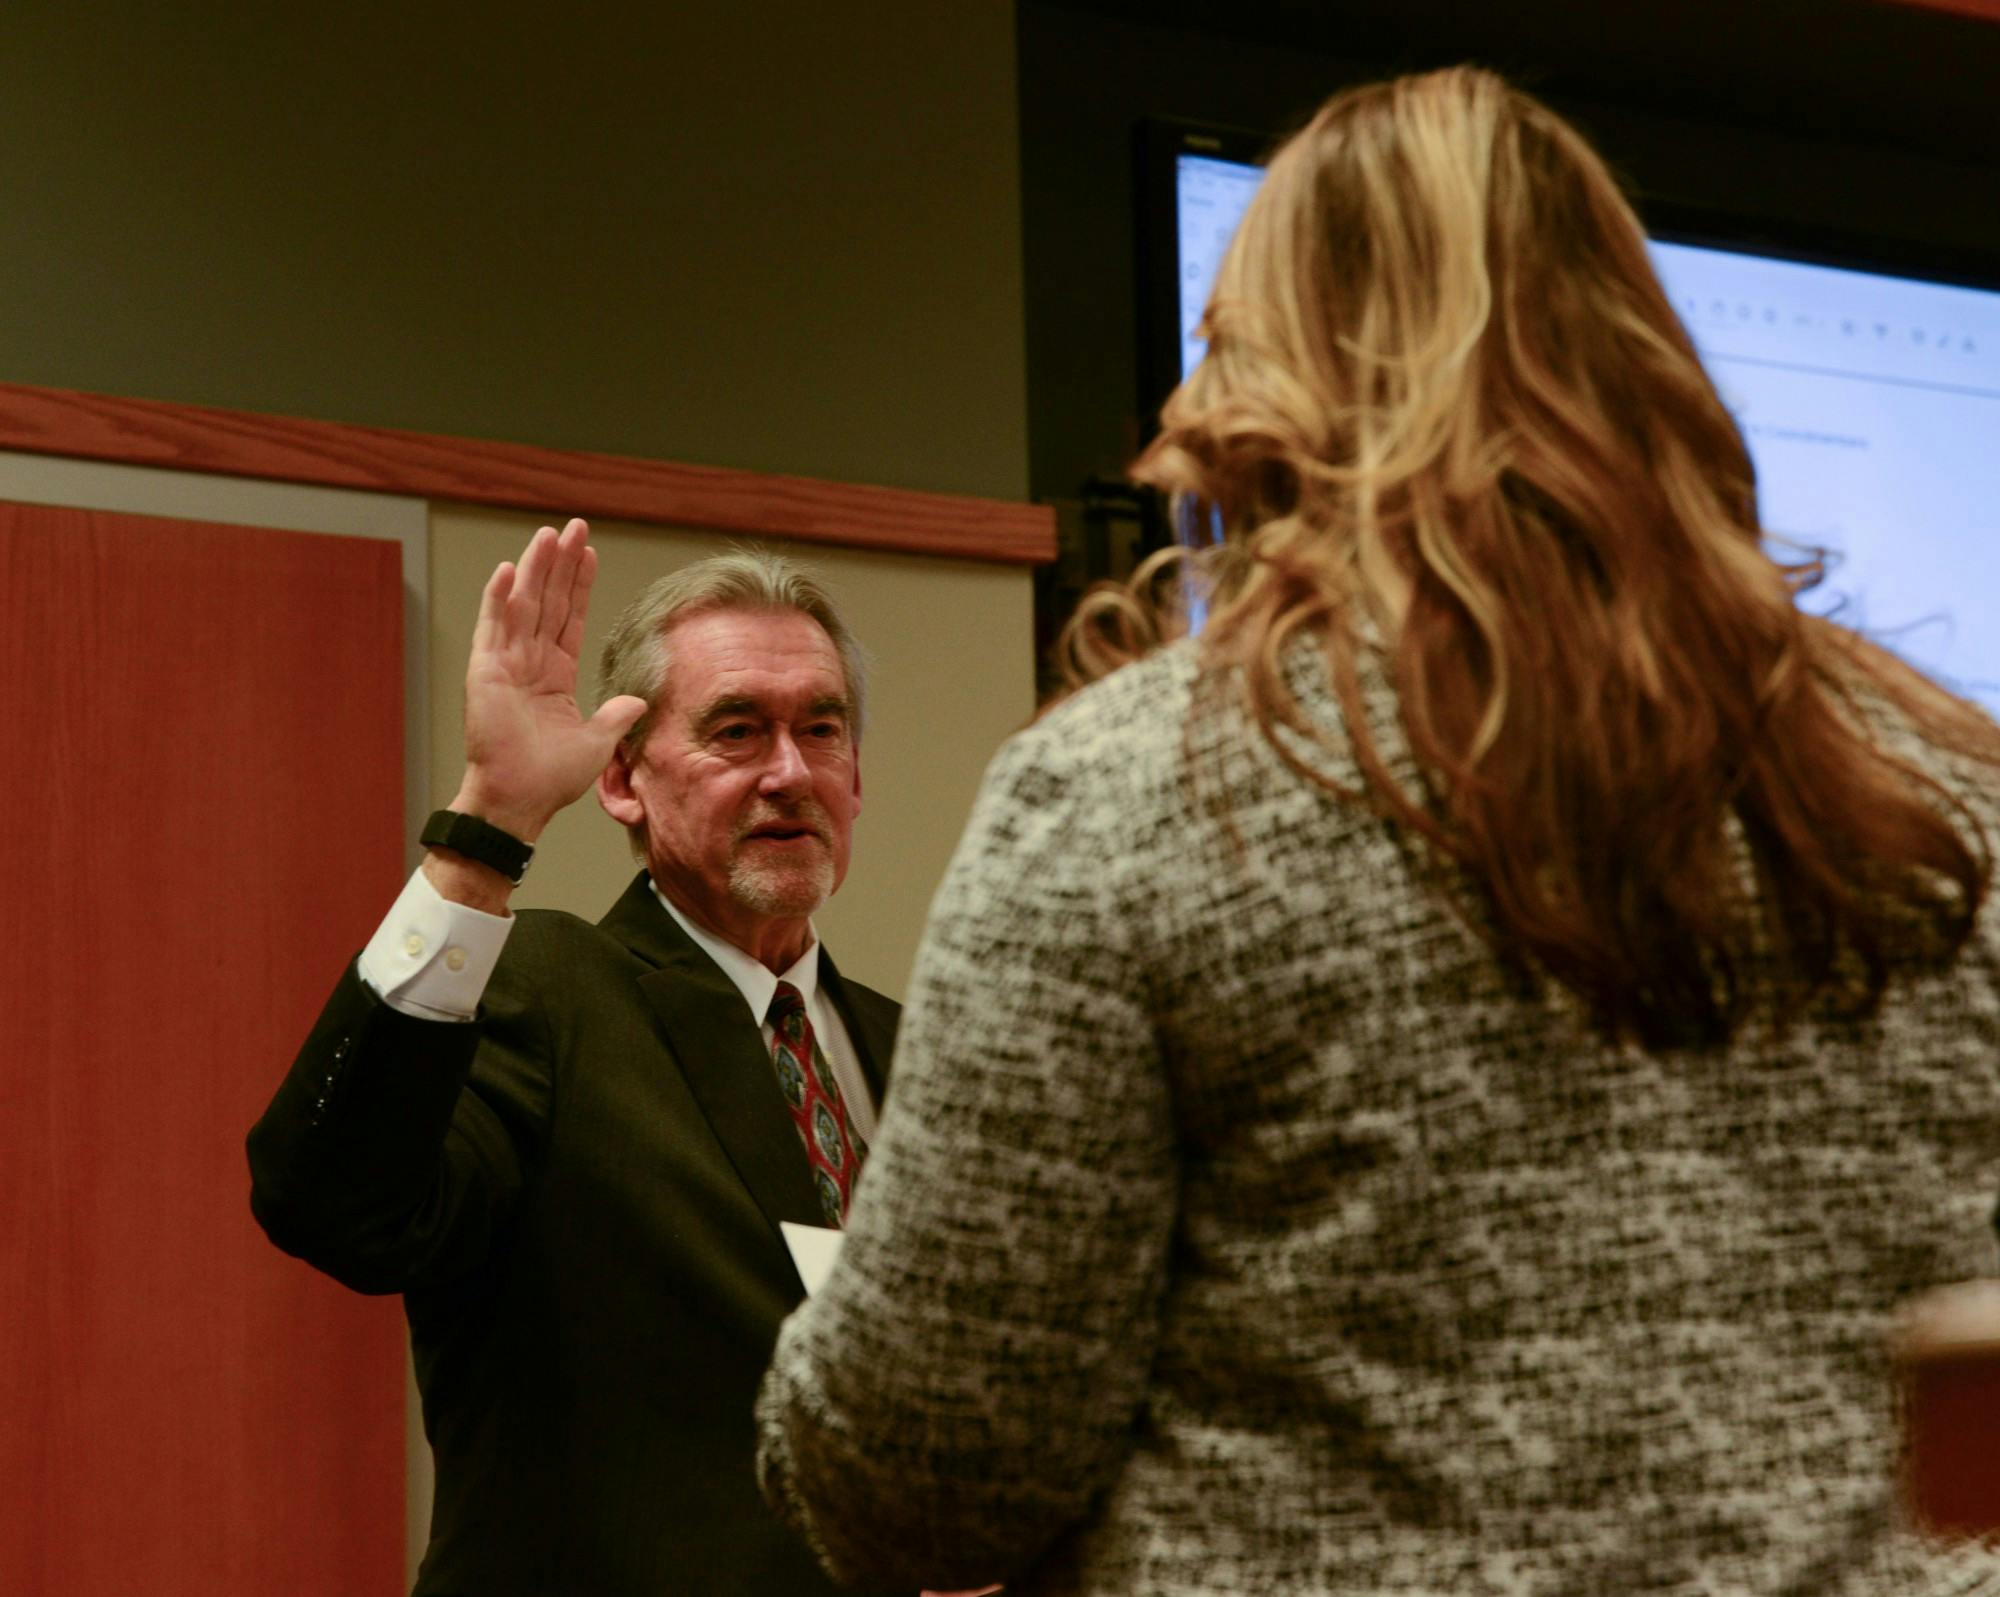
(721, 1054)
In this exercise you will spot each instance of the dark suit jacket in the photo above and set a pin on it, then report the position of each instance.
(579, 1197)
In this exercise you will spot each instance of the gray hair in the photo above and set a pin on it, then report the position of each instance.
(637, 654)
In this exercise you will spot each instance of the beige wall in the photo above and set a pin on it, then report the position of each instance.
(950, 643)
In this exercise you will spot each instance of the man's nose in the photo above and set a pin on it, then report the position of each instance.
(785, 771)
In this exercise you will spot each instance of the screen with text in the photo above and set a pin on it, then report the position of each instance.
(1870, 404)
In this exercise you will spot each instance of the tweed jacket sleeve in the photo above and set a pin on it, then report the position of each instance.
(966, 1383)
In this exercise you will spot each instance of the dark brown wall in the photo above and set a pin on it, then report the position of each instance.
(779, 236)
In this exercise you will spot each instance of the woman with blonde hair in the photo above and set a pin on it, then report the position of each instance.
(1438, 1084)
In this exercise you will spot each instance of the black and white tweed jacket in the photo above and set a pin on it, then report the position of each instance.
(1238, 1224)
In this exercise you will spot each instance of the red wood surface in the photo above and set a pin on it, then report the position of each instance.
(550, 482)
(201, 807)
(1951, 1472)
(1984, 10)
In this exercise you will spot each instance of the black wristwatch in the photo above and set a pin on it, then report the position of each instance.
(478, 840)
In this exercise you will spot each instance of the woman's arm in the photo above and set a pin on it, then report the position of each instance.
(969, 1379)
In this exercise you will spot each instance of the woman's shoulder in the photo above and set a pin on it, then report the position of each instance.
(1125, 726)
(1152, 691)
(1179, 710)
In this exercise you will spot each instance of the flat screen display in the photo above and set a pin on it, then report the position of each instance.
(1870, 403)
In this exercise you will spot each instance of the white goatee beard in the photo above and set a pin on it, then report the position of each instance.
(787, 889)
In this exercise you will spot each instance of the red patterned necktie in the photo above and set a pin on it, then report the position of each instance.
(804, 1077)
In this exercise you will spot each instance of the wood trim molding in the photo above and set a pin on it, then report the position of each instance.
(1982, 10)
(236, 443)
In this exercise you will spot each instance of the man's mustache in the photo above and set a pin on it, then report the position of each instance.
(806, 816)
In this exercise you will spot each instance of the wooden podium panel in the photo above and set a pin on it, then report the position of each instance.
(201, 813)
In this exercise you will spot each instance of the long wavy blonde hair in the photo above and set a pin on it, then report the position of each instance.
(1447, 405)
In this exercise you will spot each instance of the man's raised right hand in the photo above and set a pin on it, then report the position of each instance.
(529, 751)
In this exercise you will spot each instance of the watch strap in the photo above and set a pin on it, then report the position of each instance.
(478, 840)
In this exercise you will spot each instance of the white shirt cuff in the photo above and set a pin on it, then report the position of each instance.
(432, 958)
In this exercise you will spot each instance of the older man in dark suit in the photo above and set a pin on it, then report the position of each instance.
(571, 1147)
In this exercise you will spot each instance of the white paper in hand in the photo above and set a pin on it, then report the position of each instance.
(814, 1248)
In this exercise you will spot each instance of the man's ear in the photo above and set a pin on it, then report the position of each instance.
(857, 781)
(615, 792)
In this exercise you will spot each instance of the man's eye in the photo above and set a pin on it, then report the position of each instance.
(825, 730)
(736, 733)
